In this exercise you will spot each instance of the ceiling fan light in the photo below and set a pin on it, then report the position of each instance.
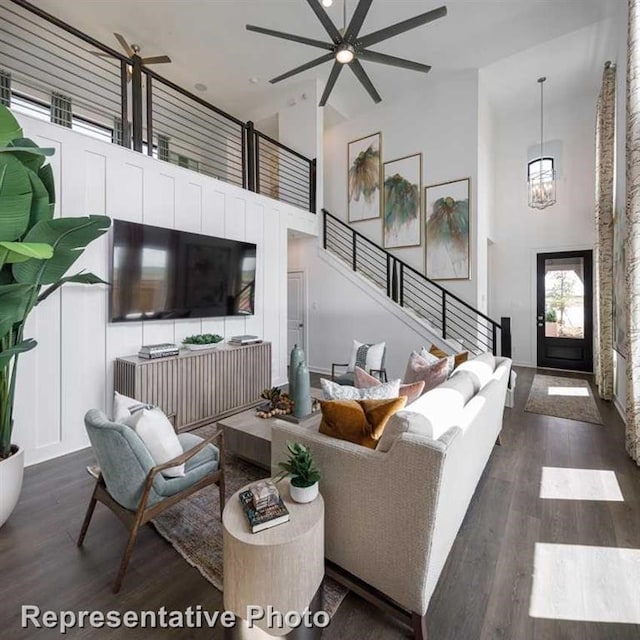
(345, 54)
(327, 3)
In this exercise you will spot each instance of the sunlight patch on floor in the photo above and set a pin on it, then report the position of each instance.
(568, 391)
(559, 483)
(591, 584)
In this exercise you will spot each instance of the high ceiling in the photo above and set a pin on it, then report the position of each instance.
(208, 43)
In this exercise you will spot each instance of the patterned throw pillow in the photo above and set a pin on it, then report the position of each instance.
(359, 421)
(432, 374)
(366, 356)
(334, 391)
(412, 391)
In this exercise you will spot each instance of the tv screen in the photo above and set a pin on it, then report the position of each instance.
(160, 274)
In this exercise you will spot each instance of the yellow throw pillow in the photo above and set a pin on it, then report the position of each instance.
(359, 421)
(458, 359)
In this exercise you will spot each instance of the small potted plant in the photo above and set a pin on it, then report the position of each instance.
(304, 474)
(202, 341)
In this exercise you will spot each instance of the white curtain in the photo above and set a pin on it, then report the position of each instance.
(605, 153)
(632, 239)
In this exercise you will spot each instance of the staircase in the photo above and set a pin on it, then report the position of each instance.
(445, 313)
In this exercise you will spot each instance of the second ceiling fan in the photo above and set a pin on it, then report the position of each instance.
(347, 47)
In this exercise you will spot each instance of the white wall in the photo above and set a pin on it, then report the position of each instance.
(71, 370)
(342, 308)
(520, 232)
(441, 121)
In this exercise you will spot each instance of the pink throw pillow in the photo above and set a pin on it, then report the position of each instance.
(419, 369)
(364, 380)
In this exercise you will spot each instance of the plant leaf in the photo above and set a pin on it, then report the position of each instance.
(15, 197)
(21, 251)
(68, 237)
(28, 152)
(41, 206)
(79, 278)
(9, 127)
(22, 347)
(14, 299)
(46, 176)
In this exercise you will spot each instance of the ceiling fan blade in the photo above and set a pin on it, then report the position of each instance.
(333, 76)
(156, 60)
(124, 44)
(289, 36)
(329, 27)
(383, 58)
(361, 74)
(401, 27)
(309, 65)
(357, 19)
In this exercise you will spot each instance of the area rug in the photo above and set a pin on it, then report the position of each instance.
(561, 397)
(194, 529)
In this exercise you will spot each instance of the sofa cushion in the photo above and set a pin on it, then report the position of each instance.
(158, 436)
(432, 374)
(412, 391)
(433, 413)
(458, 358)
(359, 421)
(382, 391)
(367, 356)
(480, 368)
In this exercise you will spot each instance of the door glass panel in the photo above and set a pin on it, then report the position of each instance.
(564, 298)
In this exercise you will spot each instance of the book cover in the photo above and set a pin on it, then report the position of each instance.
(264, 518)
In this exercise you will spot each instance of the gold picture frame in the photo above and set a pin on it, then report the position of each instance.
(364, 178)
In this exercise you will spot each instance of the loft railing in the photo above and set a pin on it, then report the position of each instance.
(51, 70)
(445, 312)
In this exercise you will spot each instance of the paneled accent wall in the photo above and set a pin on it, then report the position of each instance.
(71, 370)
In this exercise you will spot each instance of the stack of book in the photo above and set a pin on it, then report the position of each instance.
(243, 340)
(263, 507)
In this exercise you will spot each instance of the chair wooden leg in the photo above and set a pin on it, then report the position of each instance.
(88, 516)
(221, 490)
(419, 624)
(499, 439)
(127, 556)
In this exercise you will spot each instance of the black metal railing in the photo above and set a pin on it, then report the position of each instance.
(443, 311)
(55, 71)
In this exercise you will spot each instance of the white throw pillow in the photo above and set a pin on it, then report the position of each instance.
(157, 434)
(427, 355)
(385, 391)
(367, 357)
(123, 406)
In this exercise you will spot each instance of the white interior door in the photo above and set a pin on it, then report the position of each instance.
(296, 308)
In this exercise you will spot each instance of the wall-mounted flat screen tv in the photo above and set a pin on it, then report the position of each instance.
(162, 274)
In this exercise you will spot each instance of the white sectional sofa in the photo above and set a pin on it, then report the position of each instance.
(392, 514)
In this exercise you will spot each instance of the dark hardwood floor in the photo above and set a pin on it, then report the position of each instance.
(483, 593)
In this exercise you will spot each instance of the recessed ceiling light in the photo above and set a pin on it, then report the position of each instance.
(201, 87)
(327, 3)
(254, 80)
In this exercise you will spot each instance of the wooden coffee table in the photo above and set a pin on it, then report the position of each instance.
(249, 437)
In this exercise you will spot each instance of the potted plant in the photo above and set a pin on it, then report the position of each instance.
(303, 472)
(36, 251)
(202, 341)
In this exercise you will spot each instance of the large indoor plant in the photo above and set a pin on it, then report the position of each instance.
(36, 251)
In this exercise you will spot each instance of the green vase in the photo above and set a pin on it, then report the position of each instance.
(302, 395)
(296, 357)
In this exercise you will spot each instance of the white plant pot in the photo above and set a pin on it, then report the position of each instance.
(303, 494)
(202, 347)
(11, 473)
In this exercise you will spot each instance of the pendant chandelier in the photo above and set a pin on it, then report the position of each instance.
(542, 178)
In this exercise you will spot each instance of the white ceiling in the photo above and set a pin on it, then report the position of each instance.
(208, 43)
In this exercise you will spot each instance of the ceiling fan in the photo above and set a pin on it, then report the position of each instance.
(348, 47)
(133, 50)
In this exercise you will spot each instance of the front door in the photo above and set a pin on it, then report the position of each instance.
(295, 310)
(564, 316)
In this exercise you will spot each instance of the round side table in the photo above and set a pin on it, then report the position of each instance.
(279, 569)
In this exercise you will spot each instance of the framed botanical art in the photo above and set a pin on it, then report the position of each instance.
(402, 197)
(363, 180)
(447, 230)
